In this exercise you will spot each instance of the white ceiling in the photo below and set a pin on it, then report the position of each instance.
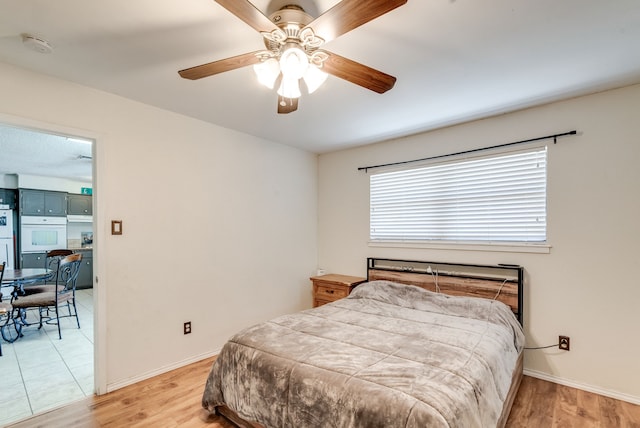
(28, 152)
(455, 60)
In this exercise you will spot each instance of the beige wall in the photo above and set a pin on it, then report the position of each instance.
(587, 287)
(219, 227)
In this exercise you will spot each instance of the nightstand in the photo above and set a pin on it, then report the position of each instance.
(331, 287)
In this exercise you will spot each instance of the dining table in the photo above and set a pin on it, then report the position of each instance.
(13, 277)
(14, 280)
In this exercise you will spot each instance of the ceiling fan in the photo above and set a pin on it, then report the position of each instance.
(293, 39)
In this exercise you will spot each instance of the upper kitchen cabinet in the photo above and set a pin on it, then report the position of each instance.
(43, 203)
(79, 205)
(8, 197)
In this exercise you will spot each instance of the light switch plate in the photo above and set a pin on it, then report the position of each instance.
(116, 227)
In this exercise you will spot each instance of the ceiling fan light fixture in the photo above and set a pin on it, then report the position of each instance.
(314, 78)
(267, 72)
(289, 88)
(293, 39)
(293, 61)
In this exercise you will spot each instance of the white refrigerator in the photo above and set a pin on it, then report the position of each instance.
(6, 238)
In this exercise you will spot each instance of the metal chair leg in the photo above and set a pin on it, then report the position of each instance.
(58, 322)
(75, 312)
(40, 310)
(13, 320)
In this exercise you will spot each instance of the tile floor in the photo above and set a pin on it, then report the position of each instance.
(40, 371)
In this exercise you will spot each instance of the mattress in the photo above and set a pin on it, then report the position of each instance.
(389, 355)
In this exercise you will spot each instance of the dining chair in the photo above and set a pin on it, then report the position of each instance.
(1, 276)
(53, 257)
(51, 262)
(5, 307)
(61, 292)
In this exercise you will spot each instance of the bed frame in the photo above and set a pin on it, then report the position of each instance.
(502, 282)
(456, 279)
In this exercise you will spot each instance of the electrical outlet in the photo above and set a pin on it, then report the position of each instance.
(564, 343)
(187, 327)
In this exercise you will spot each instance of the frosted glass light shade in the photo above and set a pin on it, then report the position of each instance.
(293, 63)
(267, 72)
(314, 78)
(289, 88)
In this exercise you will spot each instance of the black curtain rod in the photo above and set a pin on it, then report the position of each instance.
(554, 136)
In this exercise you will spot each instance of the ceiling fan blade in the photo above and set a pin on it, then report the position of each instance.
(287, 105)
(357, 73)
(246, 11)
(220, 66)
(350, 14)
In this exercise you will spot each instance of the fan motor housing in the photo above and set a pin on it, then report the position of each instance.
(291, 17)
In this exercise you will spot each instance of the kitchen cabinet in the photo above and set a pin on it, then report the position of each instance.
(79, 204)
(85, 276)
(8, 197)
(43, 203)
(33, 260)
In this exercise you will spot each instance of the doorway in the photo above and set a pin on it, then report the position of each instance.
(39, 370)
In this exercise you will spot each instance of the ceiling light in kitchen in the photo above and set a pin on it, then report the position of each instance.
(36, 44)
(79, 140)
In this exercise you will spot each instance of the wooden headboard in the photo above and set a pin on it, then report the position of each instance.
(456, 279)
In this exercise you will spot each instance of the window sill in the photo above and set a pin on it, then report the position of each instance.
(462, 246)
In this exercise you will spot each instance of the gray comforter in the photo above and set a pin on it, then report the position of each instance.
(389, 355)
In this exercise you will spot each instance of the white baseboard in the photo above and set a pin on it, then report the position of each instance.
(126, 382)
(590, 388)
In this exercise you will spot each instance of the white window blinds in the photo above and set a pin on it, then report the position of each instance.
(500, 199)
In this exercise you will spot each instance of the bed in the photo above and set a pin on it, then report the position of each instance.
(419, 344)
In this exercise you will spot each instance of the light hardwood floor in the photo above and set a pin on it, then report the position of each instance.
(173, 400)
(545, 404)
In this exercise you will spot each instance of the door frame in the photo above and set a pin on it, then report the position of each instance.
(99, 245)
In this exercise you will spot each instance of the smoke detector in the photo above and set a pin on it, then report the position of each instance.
(36, 44)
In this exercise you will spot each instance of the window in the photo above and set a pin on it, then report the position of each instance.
(498, 199)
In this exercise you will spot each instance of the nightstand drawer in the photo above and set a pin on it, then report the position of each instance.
(320, 302)
(331, 293)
